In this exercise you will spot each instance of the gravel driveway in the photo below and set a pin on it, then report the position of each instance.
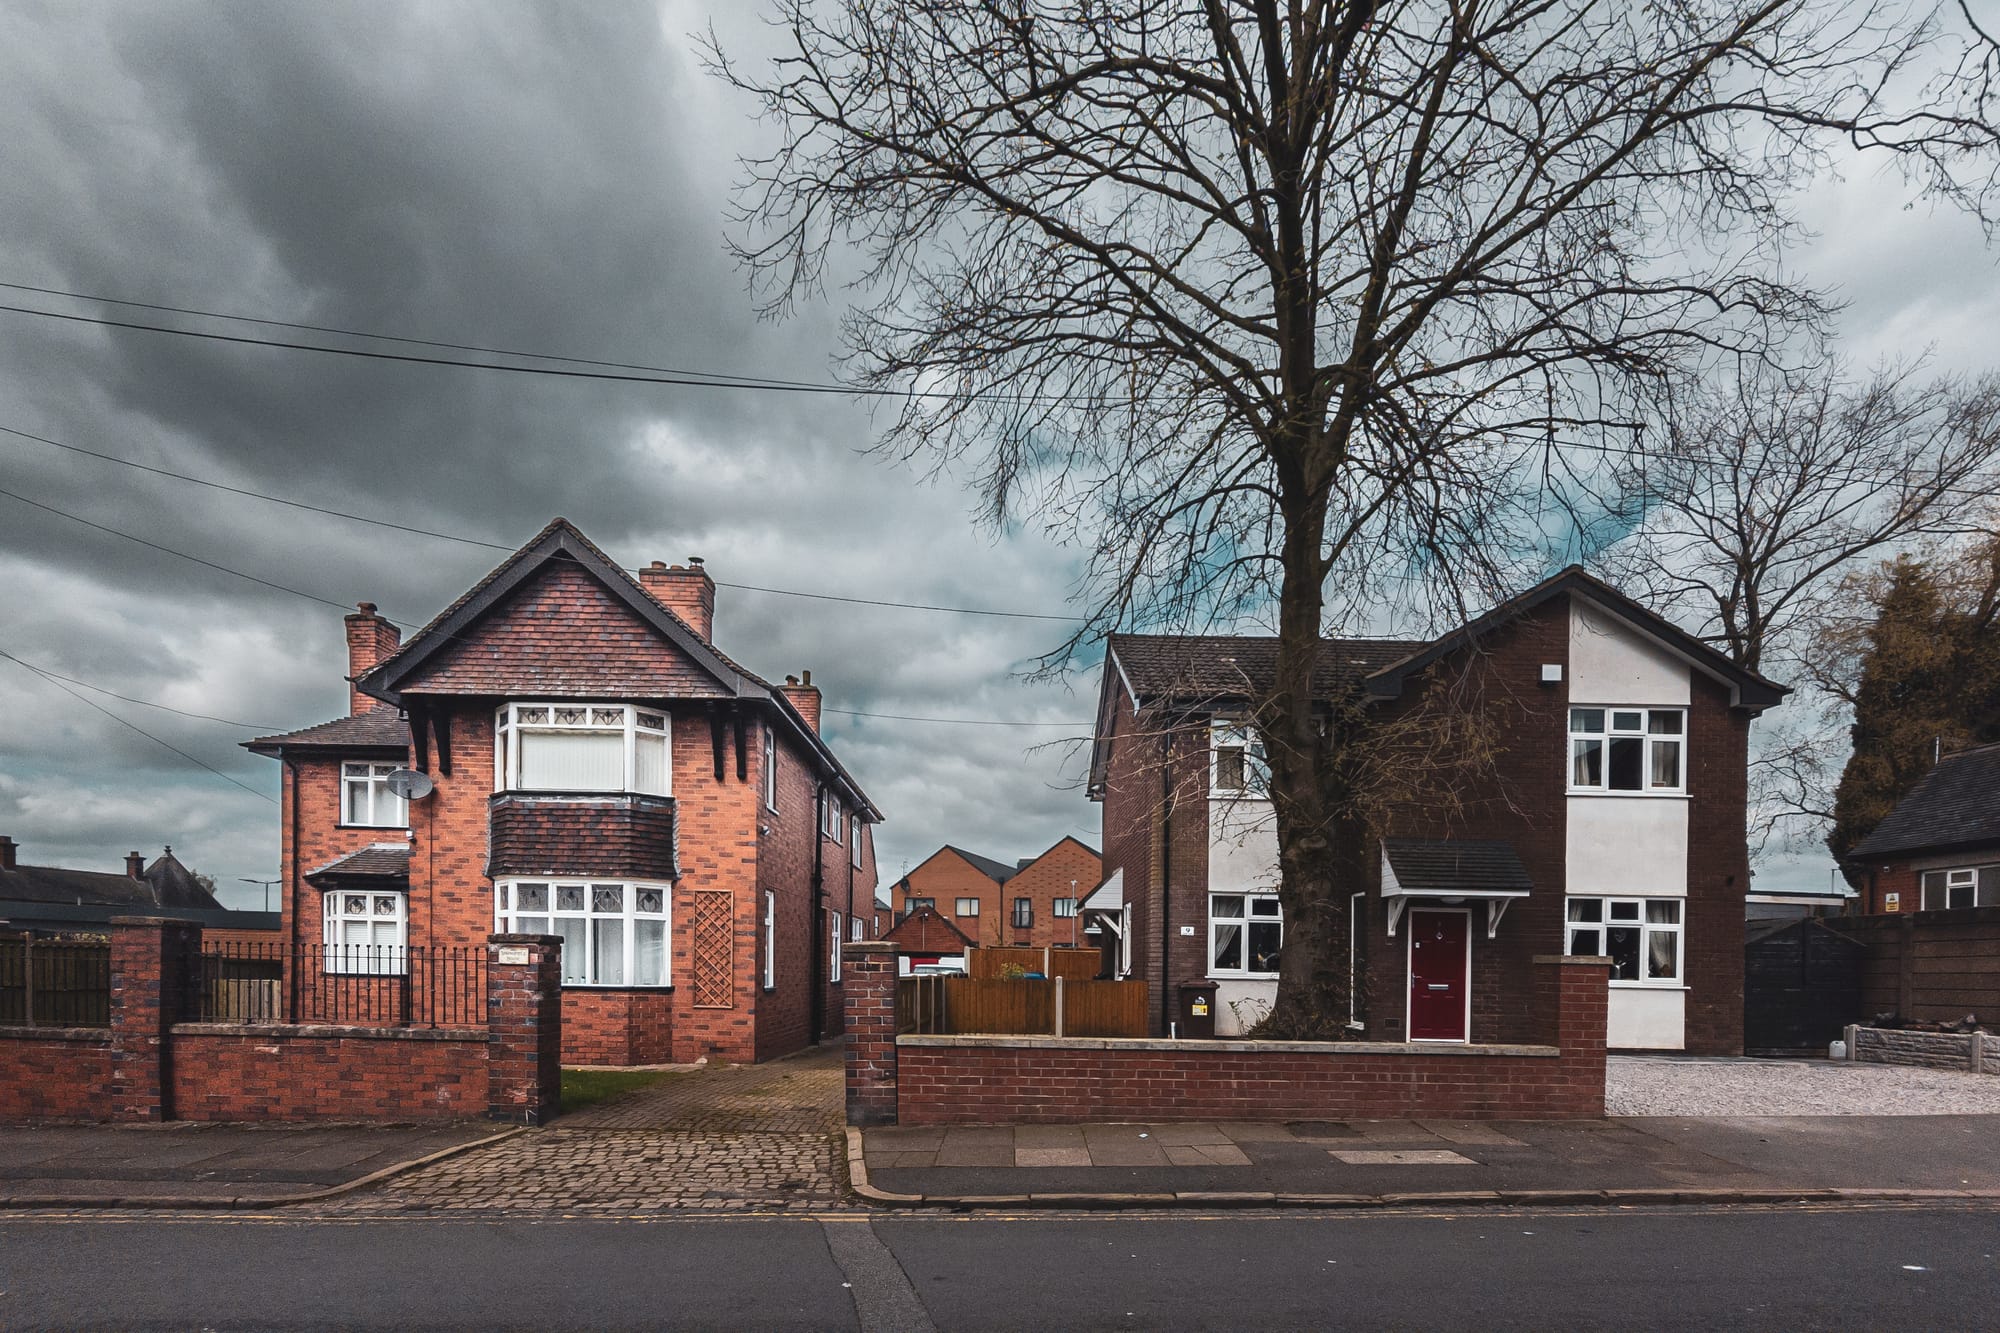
(1662, 1085)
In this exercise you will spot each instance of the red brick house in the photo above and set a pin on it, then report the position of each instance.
(1939, 848)
(601, 772)
(1610, 820)
(1032, 903)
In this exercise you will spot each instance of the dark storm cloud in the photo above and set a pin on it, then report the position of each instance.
(552, 178)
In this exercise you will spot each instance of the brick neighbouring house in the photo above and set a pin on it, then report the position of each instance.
(53, 900)
(1611, 821)
(1938, 849)
(1032, 903)
(602, 773)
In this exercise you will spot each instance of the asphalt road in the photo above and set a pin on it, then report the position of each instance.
(1794, 1269)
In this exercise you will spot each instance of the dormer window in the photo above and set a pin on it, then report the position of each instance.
(582, 747)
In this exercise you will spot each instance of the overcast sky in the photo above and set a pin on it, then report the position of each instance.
(545, 177)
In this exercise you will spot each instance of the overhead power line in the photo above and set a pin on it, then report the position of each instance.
(492, 545)
(198, 763)
(953, 721)
(145, 703)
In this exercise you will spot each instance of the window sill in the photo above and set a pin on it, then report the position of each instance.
(614, 986)
(1242, 976)
(377, 828)
(1649, 985)
(1631, 795)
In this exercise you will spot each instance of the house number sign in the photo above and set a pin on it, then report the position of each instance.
(514, 955)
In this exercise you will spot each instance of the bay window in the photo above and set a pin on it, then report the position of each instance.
(1642, 936)
(365, 798)
(365, 933)
(614, 933)
(1245, 932)
(581, 747)
(1627, 749)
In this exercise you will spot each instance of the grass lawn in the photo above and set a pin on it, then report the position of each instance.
(586, 1087)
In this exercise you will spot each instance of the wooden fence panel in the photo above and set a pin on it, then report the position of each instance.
(1070, 964)
(1000, 1007)
(55, 983)
(1104, 1008)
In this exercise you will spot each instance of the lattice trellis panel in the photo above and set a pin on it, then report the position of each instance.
(714, 951)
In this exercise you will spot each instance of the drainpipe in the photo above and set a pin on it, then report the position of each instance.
(816, 1027)
(1166, 879)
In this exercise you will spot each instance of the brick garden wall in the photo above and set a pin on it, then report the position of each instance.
(146, 1067)
(54, 1073)
(993, 1080)
(618, 1027)
(286, 1072)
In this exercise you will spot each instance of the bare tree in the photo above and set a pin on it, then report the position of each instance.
(1761, 499)
(1278, 301)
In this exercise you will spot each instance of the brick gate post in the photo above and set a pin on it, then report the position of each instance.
(1574, 993)
(870, 986)
(523, 1028)
(151, 960)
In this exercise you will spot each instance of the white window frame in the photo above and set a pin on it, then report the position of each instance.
(1957, 877)
(958, 907)
(366, 908)
(770, 939)
(833, 949)
(855, 828)
(635, 723)
(1643, 923)
(831, 817)
(1650, 742)
(508, 915)
(770, 768)
(384, 808)
(1357, 907)
(1273, 914)
(857, 929)
(1237, 737)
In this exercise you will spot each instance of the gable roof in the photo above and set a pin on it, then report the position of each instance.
(559, 546)
(1956, 804)
(166, 883)
(1747, 688)
(1088, 850)
(924, 931)
(1225, 670)
(997, 871)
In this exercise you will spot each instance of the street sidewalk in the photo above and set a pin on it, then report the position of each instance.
(1370, 1162)
(185, 1165)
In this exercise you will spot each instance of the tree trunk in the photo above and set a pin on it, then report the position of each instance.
(1301, 747)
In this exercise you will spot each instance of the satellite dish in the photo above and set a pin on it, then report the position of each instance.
(410, 784)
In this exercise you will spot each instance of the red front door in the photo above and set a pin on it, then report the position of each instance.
(1439, 980)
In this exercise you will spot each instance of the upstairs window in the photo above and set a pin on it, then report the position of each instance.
(1065, 907)
(1024, 913)
(854, 841)
(911, 905)
(770, 768)
(582, 747)
(966, 907)
(1627, 749)
(830, 817)
(1237, 766)
(365, 798)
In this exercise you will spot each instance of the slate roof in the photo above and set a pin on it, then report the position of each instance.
(1232, 666)
(1956, 804)
(1465, 865)
(998, 871)
(168, 883)
(379, 860)
(378, 728)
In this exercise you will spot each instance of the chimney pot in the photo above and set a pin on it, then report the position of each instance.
(688, 592)
(804, 696)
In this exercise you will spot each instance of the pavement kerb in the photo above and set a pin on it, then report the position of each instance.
(178, 1201)
(1213, 1200)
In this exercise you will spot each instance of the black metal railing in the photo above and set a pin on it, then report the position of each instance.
(367, 985)
(55, 983)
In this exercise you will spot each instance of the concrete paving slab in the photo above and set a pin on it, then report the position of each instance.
(1185, 1135)
(1048, 1136)
(1469, 1133)
(915, 1138)
(1078, 1156)
(975, 1154)
(1399, 1157)
(1114, 1152)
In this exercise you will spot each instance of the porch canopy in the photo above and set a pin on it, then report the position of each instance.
(1452, 870)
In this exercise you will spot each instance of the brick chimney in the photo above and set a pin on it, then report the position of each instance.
(9, 850)
(686, 590)
(135, 865)
(804, 696)
(370, 638)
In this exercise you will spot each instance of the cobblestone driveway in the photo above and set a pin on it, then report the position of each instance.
(750, 1138)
